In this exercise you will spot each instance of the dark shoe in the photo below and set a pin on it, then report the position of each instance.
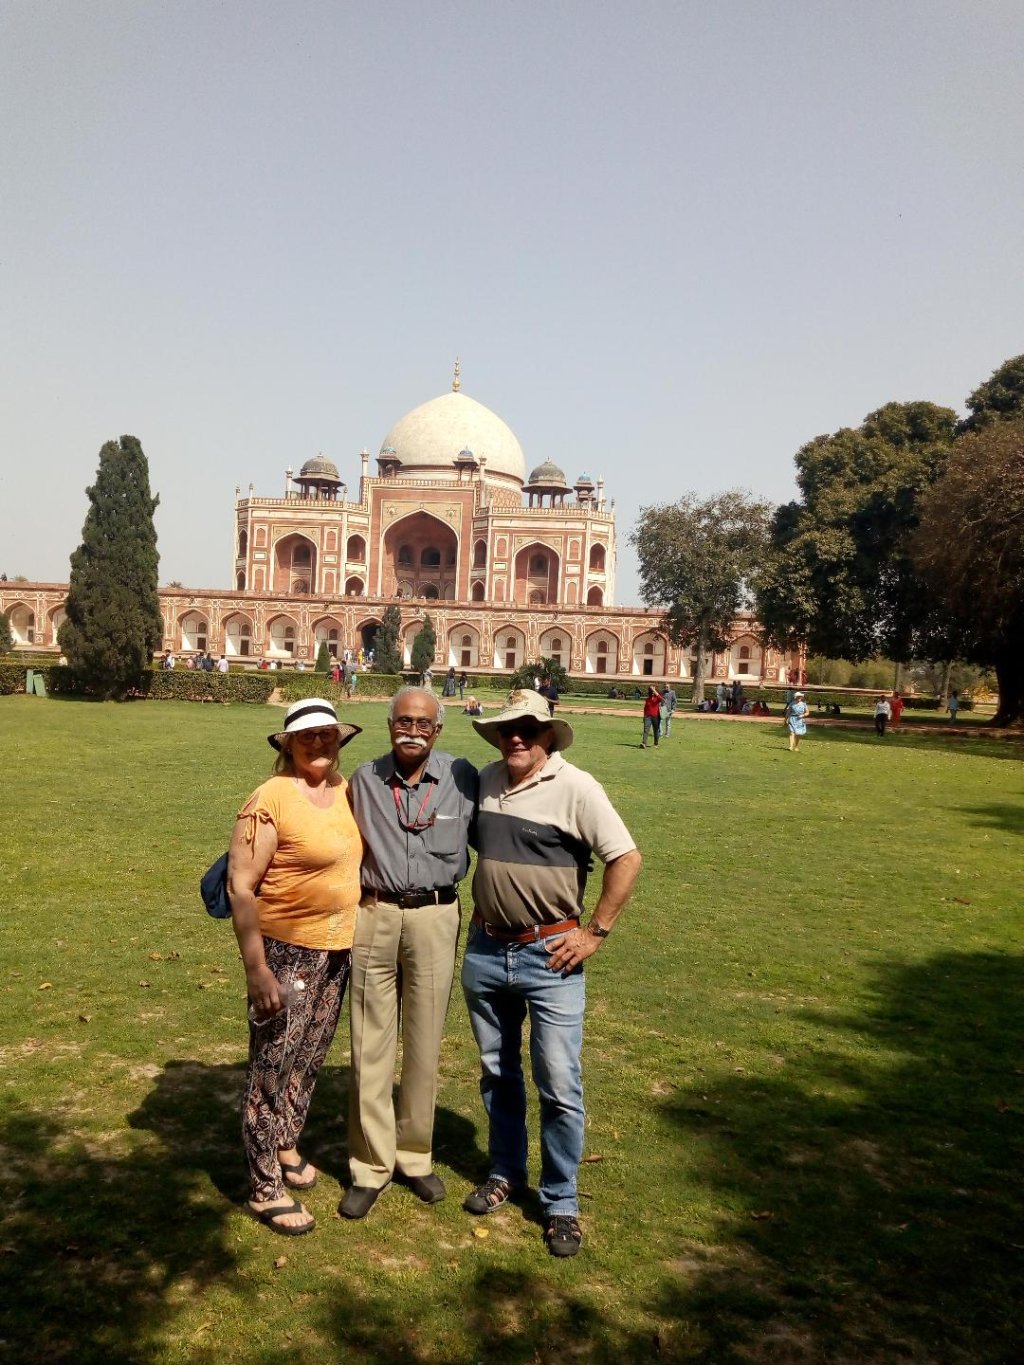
(430, 1188)
(269, 1216)
(563, 1235)
(358, 1200)
(296, 1170)
(489, 1196)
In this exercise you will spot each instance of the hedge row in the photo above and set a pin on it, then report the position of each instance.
(156, 685)
(295, 686)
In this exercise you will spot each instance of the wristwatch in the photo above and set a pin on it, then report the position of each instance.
(597, 931)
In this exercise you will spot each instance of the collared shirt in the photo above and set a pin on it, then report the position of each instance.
(535, 840)
(415, 837)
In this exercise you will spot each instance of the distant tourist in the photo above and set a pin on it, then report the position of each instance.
(463, 681)
(796, 720)
(896, 705)
(472, 707)
(449, 684)
(883, 714)
(222, 664)
(652, 716)
(668, 706)
(953, 706)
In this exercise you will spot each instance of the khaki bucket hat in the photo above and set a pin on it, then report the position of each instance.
(524, 704)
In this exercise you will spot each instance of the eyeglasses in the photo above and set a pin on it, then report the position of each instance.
(527, 730)
(420, 724)
(310, 737)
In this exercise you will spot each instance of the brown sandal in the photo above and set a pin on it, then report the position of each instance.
(489, 1196)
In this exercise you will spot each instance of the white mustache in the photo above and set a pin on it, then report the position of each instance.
(413, 740)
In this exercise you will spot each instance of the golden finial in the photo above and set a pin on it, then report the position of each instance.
(457, 381)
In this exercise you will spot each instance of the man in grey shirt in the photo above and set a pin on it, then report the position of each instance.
(414, 807)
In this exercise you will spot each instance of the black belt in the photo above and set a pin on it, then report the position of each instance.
(412, 900)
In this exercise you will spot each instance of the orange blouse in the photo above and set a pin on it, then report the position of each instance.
(310, 892)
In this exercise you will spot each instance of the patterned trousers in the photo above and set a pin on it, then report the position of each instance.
(285, 1056)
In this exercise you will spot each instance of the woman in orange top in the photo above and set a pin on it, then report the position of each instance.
(293, 884)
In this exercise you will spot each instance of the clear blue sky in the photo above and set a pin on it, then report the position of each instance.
(670, 242)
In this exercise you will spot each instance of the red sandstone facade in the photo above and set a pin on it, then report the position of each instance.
(442, 528)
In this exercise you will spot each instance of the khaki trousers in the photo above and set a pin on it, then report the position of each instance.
(402, 967)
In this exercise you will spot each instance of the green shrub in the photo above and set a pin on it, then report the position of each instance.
(323, 659)
(12, 678)
(154, 685)
(296, 686)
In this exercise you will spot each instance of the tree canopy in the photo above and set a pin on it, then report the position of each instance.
(969, 548)
(999, 399)
(839, 574)
(387, 654)
(424, 646)
(6, 638)
(543, 668)
(113, 621)
(696, 559)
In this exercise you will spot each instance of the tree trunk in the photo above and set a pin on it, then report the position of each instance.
(1010, 676)
(897, 681)
(698, 672)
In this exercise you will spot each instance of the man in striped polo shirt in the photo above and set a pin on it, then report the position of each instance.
(540, 819)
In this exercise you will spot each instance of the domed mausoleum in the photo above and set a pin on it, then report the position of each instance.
(510, 568)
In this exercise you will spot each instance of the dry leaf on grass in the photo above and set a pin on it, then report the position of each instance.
(85, 1018)
(46, 985)
(156, 957)
(481, 1233)
(145, 984)
(281, 1261)
(589, 1160)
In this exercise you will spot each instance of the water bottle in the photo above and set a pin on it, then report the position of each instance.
(291, 994)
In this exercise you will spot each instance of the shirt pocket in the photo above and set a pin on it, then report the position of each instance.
(446, 836)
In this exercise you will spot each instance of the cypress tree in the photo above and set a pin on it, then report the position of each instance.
(423, 646)
(6, 638)
(323, 659)
(113, 621)
(387, 654)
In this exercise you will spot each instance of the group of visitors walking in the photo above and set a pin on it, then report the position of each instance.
(337, 884)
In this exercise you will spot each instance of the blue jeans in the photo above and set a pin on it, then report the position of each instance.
(652, 724)
(502, 983)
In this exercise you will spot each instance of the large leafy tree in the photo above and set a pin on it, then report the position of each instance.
(424, 646)
(696, 559)
(840, 575)
(113, 621)
(969, 548)
(999, 399)
(387, 653)
(544, 668)
(6, 638)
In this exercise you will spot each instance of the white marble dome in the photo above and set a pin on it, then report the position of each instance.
(433, 436)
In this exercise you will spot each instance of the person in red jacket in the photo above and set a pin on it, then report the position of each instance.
(896, 707)
(652, 716)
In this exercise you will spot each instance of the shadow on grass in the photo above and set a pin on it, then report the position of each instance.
(94, 1246)
(869, 1198)
(1003, 817)
(883, 1206)
(975, 743)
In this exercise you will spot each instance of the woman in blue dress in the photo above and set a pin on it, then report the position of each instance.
(796, 721)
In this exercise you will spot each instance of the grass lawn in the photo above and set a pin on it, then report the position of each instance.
(804, 1067)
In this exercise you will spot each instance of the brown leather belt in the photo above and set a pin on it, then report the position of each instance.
(538, 931)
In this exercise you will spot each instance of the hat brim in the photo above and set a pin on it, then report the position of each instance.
(488, 729)
(345, 732)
